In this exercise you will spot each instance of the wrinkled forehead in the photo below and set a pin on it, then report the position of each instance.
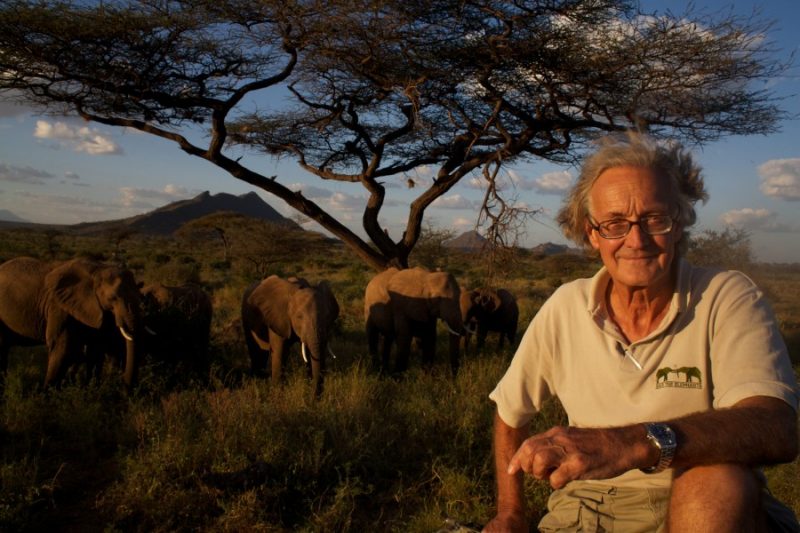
(625, 188)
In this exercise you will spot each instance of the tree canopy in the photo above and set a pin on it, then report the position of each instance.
(367, 91)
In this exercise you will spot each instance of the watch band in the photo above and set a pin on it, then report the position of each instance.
(662, 437)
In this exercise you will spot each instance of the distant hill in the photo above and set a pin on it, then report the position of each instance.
(165, 220)
(8, 216)
(549, 248)
(472, 241)
(469, 241)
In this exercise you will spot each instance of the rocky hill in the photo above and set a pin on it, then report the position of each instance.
(472, 241)
(469, 241)
(165, 220)
(8, 216)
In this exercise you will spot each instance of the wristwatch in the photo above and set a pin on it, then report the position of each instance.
(663, 438)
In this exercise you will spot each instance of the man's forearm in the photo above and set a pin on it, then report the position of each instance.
(756, 431)
(510, 494)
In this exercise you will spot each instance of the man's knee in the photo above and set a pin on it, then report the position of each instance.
(717, 496)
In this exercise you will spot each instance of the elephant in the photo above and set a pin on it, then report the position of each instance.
(403, 304)
(180, 318)
(72, 307)
(484, 310)
(278, 312)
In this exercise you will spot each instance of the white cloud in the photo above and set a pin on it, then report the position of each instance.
(310, 191)
(780, 178)
(755, 219)
(71, 175)
(553, 182)
(476, 183)
(461, 224)
(150, 198)
(455, 201)
(345, 202)
(56, 209)
(79, 139)
(23, 174)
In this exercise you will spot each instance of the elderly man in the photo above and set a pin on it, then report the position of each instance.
(676, 380)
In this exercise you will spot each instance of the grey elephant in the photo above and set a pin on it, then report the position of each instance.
(277, 313)
(487, 310)
(400, 305)
(180, 318)
(75, 308)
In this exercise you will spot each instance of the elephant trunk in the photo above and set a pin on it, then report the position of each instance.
(131, 364)
(314, 354)
(131, 327)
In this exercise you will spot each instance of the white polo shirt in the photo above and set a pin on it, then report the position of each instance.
(718, 344)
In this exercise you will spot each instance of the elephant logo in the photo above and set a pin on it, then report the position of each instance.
(684, 377)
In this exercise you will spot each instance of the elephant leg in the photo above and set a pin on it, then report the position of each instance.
(455, 343)
(403, 349)
(279, 351)
(501, 340)
(258, 355)
(57, 358)
(373, 341)
(481, 338)
(428, 341)
(467, 337)
(386, 351)
(94, 360)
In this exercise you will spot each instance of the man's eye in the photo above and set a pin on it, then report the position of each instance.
(616, 224)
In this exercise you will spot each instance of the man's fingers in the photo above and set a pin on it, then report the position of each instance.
(537, 461)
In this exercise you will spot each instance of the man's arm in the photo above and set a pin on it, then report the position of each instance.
(756, 431)
(511, 508)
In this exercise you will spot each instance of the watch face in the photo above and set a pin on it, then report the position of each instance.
(663, 433)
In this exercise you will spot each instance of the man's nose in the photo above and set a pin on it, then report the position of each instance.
(637, 237)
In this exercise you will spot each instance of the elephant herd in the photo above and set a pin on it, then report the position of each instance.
(86, 312)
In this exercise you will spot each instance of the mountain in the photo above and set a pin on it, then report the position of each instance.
(549, 248)
(165, 220)
(8, 216)
(469, 241)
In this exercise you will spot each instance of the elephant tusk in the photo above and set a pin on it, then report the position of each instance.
(303, 351)
(451, 330)
(150, 331)
(125, 334)
(472, 331)
(331, 352)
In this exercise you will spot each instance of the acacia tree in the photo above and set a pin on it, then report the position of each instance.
(367, 91)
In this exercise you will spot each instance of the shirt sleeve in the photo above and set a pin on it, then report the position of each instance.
(527, 383)
(748, 355)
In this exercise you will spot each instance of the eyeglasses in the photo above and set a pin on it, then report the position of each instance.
(617, 228)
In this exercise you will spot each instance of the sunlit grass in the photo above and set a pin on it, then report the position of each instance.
(230, 453)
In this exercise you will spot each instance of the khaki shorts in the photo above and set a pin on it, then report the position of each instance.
(593, 507)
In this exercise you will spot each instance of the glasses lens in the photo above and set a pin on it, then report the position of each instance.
(614, 229)
(656, 225)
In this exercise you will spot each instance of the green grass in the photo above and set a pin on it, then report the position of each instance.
(236, 454)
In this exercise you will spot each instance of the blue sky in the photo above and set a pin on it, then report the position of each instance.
(63, 170)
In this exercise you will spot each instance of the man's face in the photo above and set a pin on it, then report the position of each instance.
(638, 259)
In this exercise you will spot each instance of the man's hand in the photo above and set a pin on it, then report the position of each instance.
(507, 523)
(564, 454)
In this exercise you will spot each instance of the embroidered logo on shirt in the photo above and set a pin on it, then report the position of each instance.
(685, 377)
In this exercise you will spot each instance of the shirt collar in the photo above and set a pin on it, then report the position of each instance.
(680, 298)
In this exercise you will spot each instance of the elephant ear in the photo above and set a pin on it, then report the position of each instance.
(272, 298)
(490, 300)
(324, 289)
(71, 286)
